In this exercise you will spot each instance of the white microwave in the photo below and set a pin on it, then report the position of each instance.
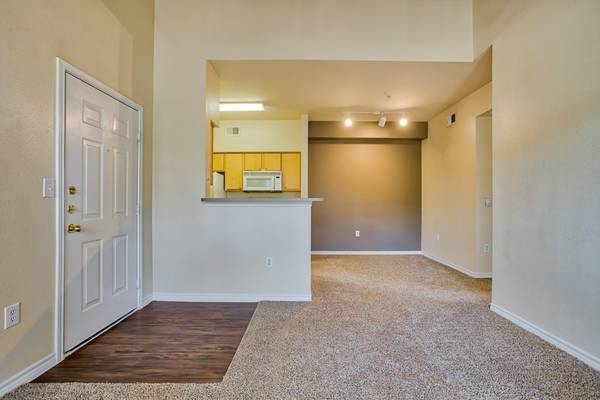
(262, 181)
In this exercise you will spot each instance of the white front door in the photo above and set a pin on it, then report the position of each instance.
(100, 211)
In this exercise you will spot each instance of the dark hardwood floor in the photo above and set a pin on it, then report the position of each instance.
(164, 342)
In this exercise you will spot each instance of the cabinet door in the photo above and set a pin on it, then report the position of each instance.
(271, 161)
(218, 160)
(234, 166)
(252, 161)
(290, 168)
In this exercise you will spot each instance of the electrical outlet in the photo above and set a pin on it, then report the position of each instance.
(486, 248)
(269, 262)
(12, 315)
(356, 233)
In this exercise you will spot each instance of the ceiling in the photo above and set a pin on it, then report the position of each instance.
(328, 90)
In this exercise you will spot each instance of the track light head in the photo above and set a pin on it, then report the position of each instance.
(381, 121)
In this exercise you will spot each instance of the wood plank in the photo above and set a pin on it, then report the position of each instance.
(164, 342)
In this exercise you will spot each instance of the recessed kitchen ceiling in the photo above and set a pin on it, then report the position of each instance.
(327, 90)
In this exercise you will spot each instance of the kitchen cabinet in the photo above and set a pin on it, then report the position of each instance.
(290, 168)
(271, 161)
(234, 171)
(218, 162)
(252, 161)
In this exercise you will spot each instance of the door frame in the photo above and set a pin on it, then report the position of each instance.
(62, 68)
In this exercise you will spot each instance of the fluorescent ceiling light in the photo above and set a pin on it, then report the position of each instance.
(241, 107)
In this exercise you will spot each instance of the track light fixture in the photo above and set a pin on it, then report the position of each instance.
(382, 117)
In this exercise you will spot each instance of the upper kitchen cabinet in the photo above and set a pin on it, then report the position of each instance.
(271, 161)
(234, 167)
(218, 161)
(252, 161)
(290, 168)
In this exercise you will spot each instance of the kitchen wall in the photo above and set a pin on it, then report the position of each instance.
(371, 185)
(449, 158)
(546, 168)
(110, 40)
(259, 135)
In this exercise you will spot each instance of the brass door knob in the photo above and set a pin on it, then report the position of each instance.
(73, 228)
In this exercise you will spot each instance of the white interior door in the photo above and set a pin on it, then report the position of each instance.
(100, 211)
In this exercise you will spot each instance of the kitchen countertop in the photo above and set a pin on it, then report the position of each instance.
(223, 200)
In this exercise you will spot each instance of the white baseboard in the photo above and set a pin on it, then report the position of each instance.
(229, 297)
(460, 268)
(565, 346)
(146, 300)
(363, 253)
(28, 374)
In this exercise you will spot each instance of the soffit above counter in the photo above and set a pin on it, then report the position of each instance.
(328, 130)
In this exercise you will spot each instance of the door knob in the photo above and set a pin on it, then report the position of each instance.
(73, 228)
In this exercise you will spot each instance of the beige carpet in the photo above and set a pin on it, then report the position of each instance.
(391, 327)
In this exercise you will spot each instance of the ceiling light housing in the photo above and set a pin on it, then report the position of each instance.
(381, 121)
(241, 107)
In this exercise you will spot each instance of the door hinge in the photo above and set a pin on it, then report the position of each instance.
(137, 284)
(137, 209)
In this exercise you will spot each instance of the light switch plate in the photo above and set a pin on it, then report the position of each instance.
(356, 233)
(269, 262)
(49, 188)
(487, 202)
(12, 315)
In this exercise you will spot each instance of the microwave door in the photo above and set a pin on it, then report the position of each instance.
(259, 183)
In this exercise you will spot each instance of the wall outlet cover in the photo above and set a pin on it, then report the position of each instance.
(356, 233)
(12, 315)
(269, 262)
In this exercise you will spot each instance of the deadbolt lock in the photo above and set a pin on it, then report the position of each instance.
(71, 208)
(72, 190)
(73, 228)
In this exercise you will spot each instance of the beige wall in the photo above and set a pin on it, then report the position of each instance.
(113, 42)
(189, 32)
(546, 164)
(259, 135)
(369, 185)
(449, 184)
(483, 190)
(404, 30)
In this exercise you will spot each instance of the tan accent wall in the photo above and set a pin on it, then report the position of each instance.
(369, 185)
(546, 163)
(449, 182)
(111, 40)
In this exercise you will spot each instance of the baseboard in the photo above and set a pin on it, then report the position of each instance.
(146, 300)
(460, 268)
(565, 346)
(363, 253)
(28, 374)
(228, 297)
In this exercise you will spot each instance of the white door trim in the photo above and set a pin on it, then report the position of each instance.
(63, 68)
